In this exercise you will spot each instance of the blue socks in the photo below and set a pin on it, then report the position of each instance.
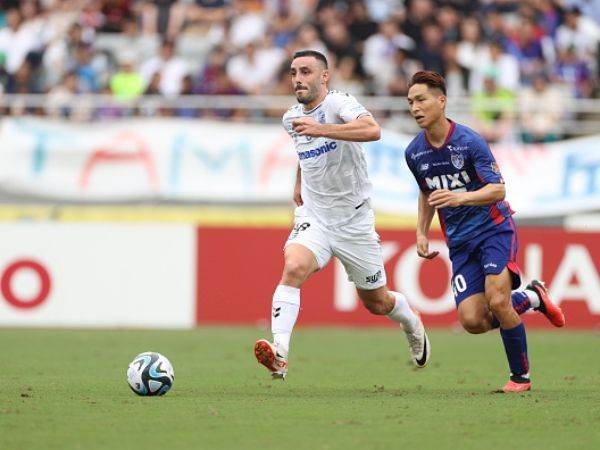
(515, 345)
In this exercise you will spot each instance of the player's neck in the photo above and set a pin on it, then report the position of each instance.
(438, 132)
(317, 101)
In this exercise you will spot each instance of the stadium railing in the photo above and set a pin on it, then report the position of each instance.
(578, 116)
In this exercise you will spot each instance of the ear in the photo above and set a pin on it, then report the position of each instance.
(442, 99)
(325, 76)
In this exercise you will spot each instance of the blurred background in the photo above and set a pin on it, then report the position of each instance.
(145, 178)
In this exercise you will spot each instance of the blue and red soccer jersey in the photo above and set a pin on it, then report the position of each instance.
(463, 163)
(482, 239)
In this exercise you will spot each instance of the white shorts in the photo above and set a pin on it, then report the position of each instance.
(357, 246)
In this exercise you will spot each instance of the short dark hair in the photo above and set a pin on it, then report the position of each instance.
(432, 79)
(315, 54)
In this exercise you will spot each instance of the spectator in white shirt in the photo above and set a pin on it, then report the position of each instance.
(171, 69)
(496, 60)
(379, 51)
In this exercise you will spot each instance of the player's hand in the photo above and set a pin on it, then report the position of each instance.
(307, 126)
(443, 198)
(298, 196)
(423, 248)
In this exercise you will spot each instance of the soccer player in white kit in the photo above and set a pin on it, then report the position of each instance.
(333, 215)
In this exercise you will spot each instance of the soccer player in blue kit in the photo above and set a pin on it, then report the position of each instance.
(458, 176)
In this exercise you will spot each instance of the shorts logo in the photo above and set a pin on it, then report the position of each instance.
(457, 160)
(374, 278)
(298, 228)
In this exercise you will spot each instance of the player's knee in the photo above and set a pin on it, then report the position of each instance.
(473, 324)
(499, 304)
(296, 270)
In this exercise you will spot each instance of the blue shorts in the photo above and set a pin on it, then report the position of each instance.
(487, 254)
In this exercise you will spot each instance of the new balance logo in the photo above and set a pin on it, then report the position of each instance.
(276, 311)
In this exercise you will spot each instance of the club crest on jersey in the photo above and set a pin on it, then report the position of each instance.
(321, 117)
(457, 160)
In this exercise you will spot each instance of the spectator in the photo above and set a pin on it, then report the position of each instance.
(496, 60)
(61, 97)
(153, 15)
(526, 45)
(136, 45)
(419, 13)
(449, 20)
(541, 110)
(208, 80)
(308, 39)
(581, 33)
(345, 78)
(429, 52)
(470, 49)
(379, 49)
(456, 76)
(404, 69)
(248, 24)
(360, 25)
(339, 41)
(382, 10)
(86, 73)
(59, 57)
(186, 110)
(171, 68)
(573, 72)
(127, 83)
(254, 68)
(200, 15)
(493, 109)
(17, 41)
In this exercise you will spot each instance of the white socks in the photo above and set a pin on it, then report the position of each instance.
(286, 305)
(402, 313)
(533, 298)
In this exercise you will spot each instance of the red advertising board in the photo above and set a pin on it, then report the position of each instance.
(238, 269)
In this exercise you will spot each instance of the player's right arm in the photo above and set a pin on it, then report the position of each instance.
(425, 212)
(424, 217)
(298, 188)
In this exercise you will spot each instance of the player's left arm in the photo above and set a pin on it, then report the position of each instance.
(363, 129)
(487, 195)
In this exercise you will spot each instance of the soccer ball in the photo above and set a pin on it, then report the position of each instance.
(150, 373)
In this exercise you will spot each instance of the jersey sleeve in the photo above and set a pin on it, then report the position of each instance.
(348, 107)
(286, 121)
(485, 164)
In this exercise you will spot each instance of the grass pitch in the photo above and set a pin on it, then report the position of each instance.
(347, 389)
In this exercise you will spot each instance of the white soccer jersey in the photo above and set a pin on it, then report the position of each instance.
(335, 184)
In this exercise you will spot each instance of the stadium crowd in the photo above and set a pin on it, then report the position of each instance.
(537, 52)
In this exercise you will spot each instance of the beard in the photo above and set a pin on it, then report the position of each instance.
(305, 97)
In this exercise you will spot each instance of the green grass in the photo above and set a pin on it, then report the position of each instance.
(347, 389)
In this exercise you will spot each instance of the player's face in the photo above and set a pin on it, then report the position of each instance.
(426, 105)
(309, 78)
